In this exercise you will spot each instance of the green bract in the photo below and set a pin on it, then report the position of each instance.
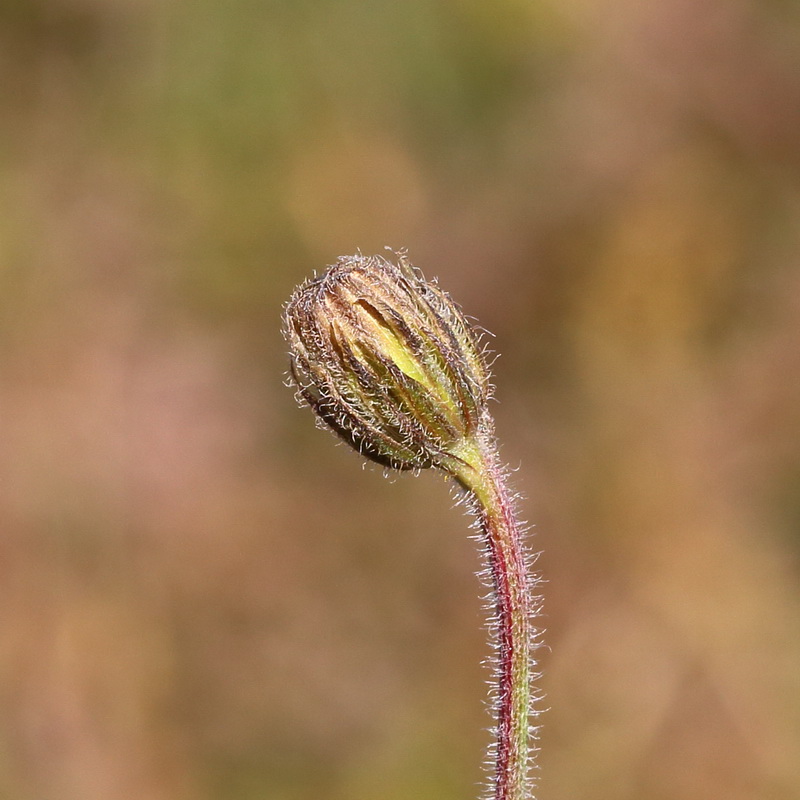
(388, 361)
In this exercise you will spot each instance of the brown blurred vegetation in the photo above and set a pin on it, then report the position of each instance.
(201, 596)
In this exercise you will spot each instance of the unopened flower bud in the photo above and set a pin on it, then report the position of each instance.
(388, 361)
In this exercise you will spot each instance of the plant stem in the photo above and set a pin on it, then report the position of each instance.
(513, 604)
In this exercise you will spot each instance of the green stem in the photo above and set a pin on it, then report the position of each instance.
(482, 475)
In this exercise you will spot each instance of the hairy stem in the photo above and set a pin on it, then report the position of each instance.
(513, 608)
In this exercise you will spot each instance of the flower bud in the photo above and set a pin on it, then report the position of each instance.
(388, 362)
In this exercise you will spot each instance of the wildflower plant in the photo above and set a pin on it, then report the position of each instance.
(389, 362)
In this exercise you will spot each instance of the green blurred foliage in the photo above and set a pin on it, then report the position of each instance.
(204, 597)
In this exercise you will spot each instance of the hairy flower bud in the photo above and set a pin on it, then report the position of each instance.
(388, 361)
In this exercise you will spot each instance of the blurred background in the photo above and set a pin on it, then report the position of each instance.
(202, 596)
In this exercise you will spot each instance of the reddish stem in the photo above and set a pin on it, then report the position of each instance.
(513, 606)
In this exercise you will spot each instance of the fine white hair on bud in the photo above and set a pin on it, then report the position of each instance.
(388, 361)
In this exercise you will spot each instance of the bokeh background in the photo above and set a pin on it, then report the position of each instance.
(202, 597)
